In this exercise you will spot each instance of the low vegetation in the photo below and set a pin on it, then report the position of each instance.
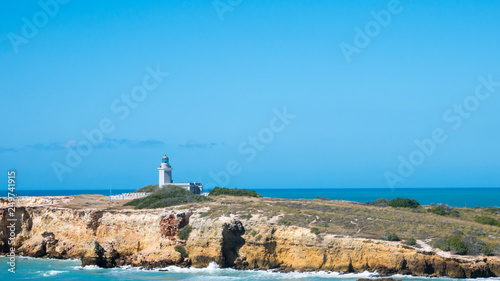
(493, 210)
(181, 250)
(233, 192)
(487, 220)
(411, 242)
(463, 245)
(184, 232)
(403, 203)
(390, 236)
(170, 195)
(148, 188)
(315, 230)
(382, 202)
(445, 210)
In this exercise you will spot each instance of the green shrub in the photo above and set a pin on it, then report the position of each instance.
(258, 237)
(487, 220)
(315, 230)
(445, 210)
(184, 232)
(253, 232)
(381, 202)
(180, 249)
(411, 241)
(453, 244)
(404, 203)
(464, 245)
(233, 192)
(170, 195)
(390, 236)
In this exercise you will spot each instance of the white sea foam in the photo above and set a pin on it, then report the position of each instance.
(53, 272)
(213, 270)
(87, 267)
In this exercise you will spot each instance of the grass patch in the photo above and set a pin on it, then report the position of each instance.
(258, 237)
(284, 221)
(315, 230)
(233, 192)
(170, 195)
(148, 188)
(184, 232)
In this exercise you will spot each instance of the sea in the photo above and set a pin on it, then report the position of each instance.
(51, 269)
(48, 269)
(459, 197)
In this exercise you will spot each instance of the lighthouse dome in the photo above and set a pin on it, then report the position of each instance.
(164, 159)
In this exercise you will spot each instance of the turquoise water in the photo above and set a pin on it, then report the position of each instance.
(459, 197)
(43, 269)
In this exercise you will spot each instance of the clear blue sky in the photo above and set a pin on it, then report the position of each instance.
(228, 70)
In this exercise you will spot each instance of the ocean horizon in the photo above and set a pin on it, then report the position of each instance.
(453, 196)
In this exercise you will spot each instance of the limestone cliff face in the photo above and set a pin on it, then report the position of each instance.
(294, 248)
(147, 238)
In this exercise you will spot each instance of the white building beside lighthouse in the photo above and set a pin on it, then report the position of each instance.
(165, 178)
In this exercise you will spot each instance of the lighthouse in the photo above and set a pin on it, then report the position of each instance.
(165, 172)
(165, 178)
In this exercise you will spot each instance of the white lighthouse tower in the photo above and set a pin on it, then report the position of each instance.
(165, 172)
(166, 178)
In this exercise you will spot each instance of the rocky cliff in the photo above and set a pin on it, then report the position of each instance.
(148, 238)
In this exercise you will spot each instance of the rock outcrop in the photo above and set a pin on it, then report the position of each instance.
(147, 238)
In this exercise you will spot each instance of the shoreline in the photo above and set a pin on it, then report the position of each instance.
(215, 267)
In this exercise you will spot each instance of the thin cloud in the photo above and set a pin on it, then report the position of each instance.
(7, 149)
(106, 143)
(195, 144)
